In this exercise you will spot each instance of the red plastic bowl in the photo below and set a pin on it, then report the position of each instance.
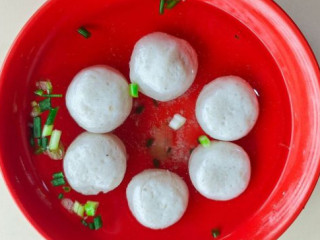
(253, 39)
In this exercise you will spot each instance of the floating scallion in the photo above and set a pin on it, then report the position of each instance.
(37, 127)
(91, 226)
(204, 141)
(54, 140)
(57, 175)
(52, 115)
(78, 209)
(84, 32)
(84, 222)
(91, 207)
(66, 189)
(60, 196)
(134, 90)
(97, 221)
(45, 104)
(162, 4)
(172, 3)
(45, 86)
(58, 182)
(215, 233)
(41, 93)
(44, 143)
(47, 130)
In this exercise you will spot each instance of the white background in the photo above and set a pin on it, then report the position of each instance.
(14, 14)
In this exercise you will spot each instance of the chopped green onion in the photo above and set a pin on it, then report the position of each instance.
(149, 142)
(134, 90)
(45, 104)
(57, 175)
(34, 104)
(47, 130)
(52, 115)
(56, 154)
(66, 189)
(32, 141)
(91, 226)
(91, 207)
(39, 92)
(139, 109)
(156, 163)
(52, 95)
(97, 221)
(215, 233)
(162, 3)
(54, 140)
(58, 182)
(60, 196)
(84, 222)
(78, 209)
(44, 142)
(204, 141)
(172, 3)
(39, 151)
(84, 32)
(37, 127)
(39, 142)
(45, 86)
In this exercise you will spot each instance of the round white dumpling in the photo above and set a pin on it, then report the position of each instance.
(227, 108)
(95, 163)
(163, 66)
(157, 198)
(221, 171)
(98, 99)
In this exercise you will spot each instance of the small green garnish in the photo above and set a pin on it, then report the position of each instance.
(40, 93)
(58, 182)
(78, 209)
(55, 140)
(97, 221)
(215, 233)
(134, 90)
(45, 104)
(37, 127)
(60, 196)
(172, 3)
(204, 141)
(44, 143)
(139, 109)
(84, 32)
(47, 130)
(149, 142)
(57, 175)
(84, 222)
(66, 189)
(156, 163)
(91, 226)
(162, 4)
(90, 208)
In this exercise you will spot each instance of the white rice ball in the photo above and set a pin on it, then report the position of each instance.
(157, 198)
(227, 108)
(221, 171)
(163, 66)
(98, 99)
(95, 163)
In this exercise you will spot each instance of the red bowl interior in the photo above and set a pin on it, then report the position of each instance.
(253, 39)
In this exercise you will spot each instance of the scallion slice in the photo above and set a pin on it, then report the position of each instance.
(54, 140)
(91, 207)
(58, 182)
(204, 141)
(84, 222)
(45, 104)
(66, 189)
(84, 32)
(45, 86)
(56, 154)
(172, 3)
(215, 233)
(57, 175)
(97, 221)
(52, 95)
(162, 3)
(44, 143)
(52, 115)
(60, 196)
(47, 130)
(91, 226)
(78, 209)
(134, 90)
(37, 127)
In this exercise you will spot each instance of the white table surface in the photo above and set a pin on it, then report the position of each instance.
(14, 14)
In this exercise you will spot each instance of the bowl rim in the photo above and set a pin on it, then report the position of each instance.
(276, 11)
